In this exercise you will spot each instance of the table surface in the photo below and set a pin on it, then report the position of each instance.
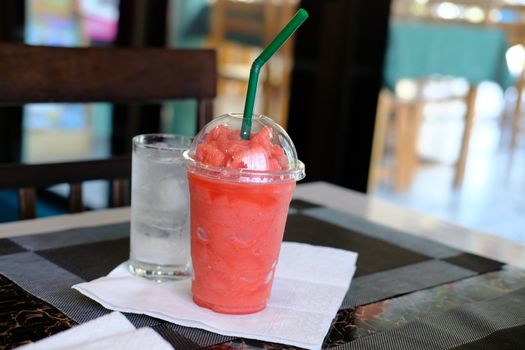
(422, 284)
(332, 196)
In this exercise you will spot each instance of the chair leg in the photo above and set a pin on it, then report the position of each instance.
(26, 203)
(384, 107)
(516, 124)
(402, 163)
(467, 131)
(205, 112)
(75, 198)
(414, 125)
(120, 193)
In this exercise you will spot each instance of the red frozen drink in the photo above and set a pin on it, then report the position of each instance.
(239, 197)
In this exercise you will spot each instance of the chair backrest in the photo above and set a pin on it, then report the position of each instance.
(55, 74)
(468, 12)
(246, 22)
(505, 15)
(240, 30)
(27, 177)
(509, 17)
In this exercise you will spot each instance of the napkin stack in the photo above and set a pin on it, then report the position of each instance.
(309, 285)
(112, 331)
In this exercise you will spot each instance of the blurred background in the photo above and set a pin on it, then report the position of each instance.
(418, 102)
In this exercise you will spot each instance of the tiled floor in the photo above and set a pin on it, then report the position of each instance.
(492, 198)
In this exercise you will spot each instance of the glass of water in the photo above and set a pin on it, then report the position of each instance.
(160, 240)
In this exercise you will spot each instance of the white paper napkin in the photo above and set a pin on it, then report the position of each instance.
(309, 285)
(112, 331)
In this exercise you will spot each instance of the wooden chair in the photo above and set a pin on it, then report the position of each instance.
(239, 32)
(514, 26)
(408, 112)
(27, 177)
(406, 122)
(52, 74)
(493, 16)
(427, 11)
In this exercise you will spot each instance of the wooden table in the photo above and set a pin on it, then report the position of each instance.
(331, 196)
(422, 51)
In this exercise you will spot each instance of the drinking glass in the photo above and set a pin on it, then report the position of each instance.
(160, 242)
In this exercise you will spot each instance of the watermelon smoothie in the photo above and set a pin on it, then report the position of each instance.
(240, 191)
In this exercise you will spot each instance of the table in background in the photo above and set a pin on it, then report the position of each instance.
(405, 285)
(421, 51)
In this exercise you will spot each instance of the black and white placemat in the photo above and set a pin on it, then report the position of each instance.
(408, 292)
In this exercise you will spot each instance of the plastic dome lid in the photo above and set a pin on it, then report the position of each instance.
(268, 156)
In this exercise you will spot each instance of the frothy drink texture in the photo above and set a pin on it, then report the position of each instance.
(237, 227)
(224, 148)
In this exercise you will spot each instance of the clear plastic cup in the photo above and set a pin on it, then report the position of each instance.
(240, 192)
(159, 239)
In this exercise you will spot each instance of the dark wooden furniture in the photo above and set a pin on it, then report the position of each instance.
(239, 32)
(27, 177)
(53, 74)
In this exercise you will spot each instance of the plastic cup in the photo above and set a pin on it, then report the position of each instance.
(238, 211)
(159, 239)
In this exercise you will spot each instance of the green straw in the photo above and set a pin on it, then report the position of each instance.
(268, 52)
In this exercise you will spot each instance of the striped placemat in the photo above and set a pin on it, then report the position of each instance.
(408, 292)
